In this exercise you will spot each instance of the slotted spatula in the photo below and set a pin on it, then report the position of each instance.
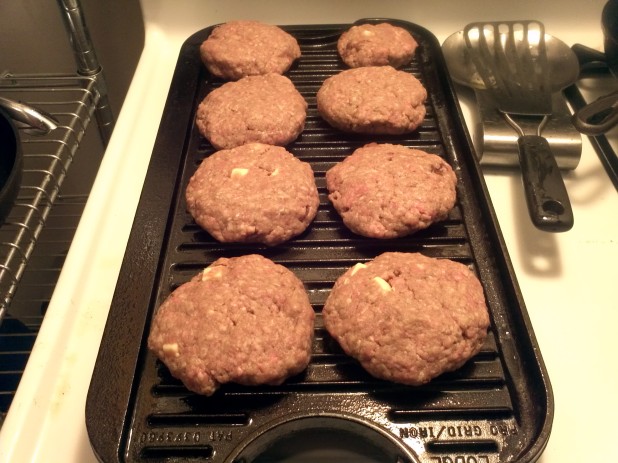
(511, 59)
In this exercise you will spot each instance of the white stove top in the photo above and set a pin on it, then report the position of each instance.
(567, 279)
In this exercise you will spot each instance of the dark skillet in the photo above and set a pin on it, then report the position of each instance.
(10, 164)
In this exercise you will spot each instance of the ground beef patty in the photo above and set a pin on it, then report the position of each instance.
(408, 318)
(243, 48)
(254, 193)
(245, 320)
(389, 191)
(265, 109)
(376, 45)
(373, 99)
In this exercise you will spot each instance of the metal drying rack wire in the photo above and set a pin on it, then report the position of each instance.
(47, 158)
(73, 100)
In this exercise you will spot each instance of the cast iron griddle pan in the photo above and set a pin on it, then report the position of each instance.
(496, 408)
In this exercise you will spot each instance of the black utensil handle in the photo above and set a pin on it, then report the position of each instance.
(590, 60)
(548, 201)
(597, 117)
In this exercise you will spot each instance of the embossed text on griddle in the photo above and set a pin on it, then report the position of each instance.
(218, 436)
(503, 429)
(434, 432)
(461, 459)
(170, 437)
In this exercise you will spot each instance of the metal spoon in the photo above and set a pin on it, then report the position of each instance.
(38, 121)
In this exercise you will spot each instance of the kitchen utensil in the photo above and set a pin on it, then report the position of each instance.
(36, 120)
(511, 59)
(496, 141)
(562, 61)
(494, 138)
(601, 115)
(497, 408)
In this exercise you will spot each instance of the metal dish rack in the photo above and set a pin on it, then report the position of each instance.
(73, 100)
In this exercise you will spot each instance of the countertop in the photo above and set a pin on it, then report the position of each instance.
(567, 279)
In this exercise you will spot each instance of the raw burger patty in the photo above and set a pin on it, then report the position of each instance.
(265, 109)
(389, 191)
(242, 48)
(245, 320)
(376, 45)
(374, 100)
(253, 193)
(408, 318)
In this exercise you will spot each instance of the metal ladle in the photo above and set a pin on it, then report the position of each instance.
(38, 121)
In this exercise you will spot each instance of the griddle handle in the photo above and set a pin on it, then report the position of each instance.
(548, 201)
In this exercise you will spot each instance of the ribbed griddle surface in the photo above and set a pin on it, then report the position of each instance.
(498, 407)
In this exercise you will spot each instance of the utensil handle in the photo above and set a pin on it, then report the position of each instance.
(590, 60)
(597, 117)
(548, 201)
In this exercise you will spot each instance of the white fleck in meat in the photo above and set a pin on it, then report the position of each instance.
(238, 172)
(210, 273)
(357, 267)
(383, 284)
(171, 349)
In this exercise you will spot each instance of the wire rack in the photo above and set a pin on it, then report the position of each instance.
(72, 101)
